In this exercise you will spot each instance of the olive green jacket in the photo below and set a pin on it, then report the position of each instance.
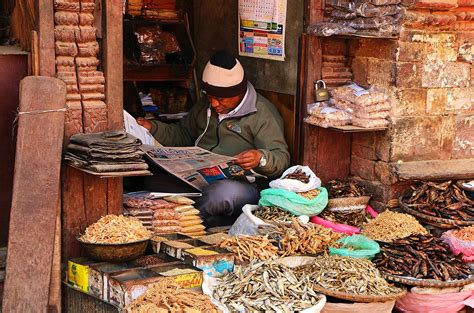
(256, 125)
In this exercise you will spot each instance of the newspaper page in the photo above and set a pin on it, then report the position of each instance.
(262, 26)
(195, 166)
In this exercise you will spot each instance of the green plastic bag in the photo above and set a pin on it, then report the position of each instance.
(294, 203)
(356, 246)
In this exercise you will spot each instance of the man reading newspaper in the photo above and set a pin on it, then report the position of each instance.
(233, 120)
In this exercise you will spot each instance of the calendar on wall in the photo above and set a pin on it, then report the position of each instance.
(262, 26)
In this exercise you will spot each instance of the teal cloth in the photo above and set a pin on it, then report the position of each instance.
(293, 202)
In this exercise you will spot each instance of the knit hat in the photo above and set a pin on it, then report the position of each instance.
(223, 76)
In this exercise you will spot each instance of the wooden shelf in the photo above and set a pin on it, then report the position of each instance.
(158, 73)
(354, 36)
(352, 128)
(141, 21)
(113, 174)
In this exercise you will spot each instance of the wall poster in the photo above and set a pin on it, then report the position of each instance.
(262, 25)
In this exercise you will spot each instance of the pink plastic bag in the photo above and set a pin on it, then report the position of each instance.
(342, 228)
(459, 246)
(433, 303)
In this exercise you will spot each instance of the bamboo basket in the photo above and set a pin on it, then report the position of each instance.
(433, 283)
(355, 297)
(337, 203)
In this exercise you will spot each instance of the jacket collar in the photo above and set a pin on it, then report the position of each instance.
(246, 107)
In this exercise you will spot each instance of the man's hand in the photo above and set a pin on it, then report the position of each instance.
(249, 159)
(144, 122)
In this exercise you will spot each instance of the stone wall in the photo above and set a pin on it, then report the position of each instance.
(429, 74)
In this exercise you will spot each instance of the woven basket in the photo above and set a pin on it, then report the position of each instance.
(345, 202)
(357, 298)
(433, 283)
(432, 220)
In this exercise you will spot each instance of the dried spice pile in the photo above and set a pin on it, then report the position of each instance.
(249, 248)
(298, 175)
(265, 287)
(445, 200)
(297, 238)
(310, 194)
(356, 218)
(349, 275)
(419, 256)
(466, 233)
(273, 213)
(115, 229)
(167, 296)
(389, 225)
(344, 189)
(148, 260)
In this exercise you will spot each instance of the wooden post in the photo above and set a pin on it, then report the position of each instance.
(45, 27)
(113, 70)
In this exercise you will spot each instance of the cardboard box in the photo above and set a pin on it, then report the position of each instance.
(212, 261)
(78, 273)
(191, 280)
(125, 287)
(99, 277)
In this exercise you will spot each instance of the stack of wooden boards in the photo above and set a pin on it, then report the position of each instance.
(174, 214)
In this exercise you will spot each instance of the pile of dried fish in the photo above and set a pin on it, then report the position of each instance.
(249, 248)
(115, 229)
(389, 225)
(445, 200)
(466, 233)
(344, 189)
(265, 287)
(313, 193)
(298, 175)
(419, 256)
(273, 213)
(297, 238)
(356, 218)
(167, 296)
(349, 275)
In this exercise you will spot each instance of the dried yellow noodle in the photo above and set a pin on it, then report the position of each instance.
(115, 229)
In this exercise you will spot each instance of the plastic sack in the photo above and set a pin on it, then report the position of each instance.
(357, 246)
(293, 202)
(459, 246)
(431, 300)
(296, 185)
(211, 283)
(379, 307)
(246, 223)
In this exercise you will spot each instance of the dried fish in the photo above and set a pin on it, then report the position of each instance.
(444, 200)
(349, 275)
(265, 287)
(419, 256)
(298, 175)
(344, 189)
(167, 296)
(296, 238)
(356, 218)
(313, 193)
(249, 248)
(273, 213)
(389, 225)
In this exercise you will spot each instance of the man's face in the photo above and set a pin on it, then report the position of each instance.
(224, 105)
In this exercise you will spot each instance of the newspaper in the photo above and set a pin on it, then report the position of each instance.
(196, 166)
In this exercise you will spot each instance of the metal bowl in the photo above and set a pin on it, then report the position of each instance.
(120, 252)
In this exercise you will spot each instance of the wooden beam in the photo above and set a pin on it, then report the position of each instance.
(35, 194)
(45, 28)
(435, 169)
(113, 71)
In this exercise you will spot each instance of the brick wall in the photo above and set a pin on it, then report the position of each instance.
(429, 73)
